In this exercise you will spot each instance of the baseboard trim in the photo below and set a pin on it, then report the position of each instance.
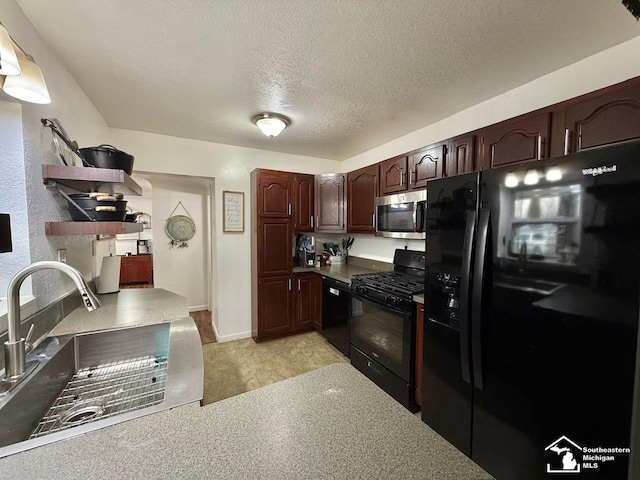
(198, 308)
(215, 330)
(235, 336)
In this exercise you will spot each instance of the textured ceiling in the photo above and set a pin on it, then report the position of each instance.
(351, 74)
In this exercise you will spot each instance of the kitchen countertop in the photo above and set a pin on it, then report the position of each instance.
(344, 271)
(326, 424)
(418, 298)
(129, 307)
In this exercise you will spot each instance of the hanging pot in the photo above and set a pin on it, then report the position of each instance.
(108, 156)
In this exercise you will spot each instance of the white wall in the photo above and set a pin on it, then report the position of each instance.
(13, 199)
(181, 270)
(608, 67)
(230, 166)
(83, 122)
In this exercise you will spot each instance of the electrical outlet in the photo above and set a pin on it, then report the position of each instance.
(62, 255)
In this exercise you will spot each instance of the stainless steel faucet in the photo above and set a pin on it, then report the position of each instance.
(15, 348)
(523, 256)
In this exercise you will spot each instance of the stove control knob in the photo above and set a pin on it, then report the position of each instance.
(391, 300)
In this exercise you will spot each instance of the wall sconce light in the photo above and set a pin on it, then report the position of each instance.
(531, 177)
(8, 59)
(553, 174)
(511, 180)
(24, 79)
(271, 124)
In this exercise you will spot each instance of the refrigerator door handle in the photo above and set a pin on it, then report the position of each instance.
(482, 242)
(467, 255)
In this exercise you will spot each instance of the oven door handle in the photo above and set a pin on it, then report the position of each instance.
(381, 305)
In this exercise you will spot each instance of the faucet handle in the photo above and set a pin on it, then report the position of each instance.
(27, 341)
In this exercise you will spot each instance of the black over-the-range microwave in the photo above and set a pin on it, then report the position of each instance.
(401, 215)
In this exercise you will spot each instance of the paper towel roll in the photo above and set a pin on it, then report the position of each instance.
(109, 279)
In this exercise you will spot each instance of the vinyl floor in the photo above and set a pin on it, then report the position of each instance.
(232, 368)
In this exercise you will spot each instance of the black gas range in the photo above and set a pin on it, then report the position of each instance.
(383, 324)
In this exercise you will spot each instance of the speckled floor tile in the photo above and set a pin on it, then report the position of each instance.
(231, 368)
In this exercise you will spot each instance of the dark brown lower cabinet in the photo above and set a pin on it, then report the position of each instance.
(419, 347)
(289, 304)
(275, 296)
(316, 287)
(136, 269)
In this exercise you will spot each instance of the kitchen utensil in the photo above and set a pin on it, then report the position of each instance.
(59, 132)
(108, 156)
(97, 214)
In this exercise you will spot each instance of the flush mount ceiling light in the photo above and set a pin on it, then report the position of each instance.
(23, 77)
(271, 124)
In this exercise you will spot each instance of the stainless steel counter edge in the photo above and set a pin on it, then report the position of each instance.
(184, 385)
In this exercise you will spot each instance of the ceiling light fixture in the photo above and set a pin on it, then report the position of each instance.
(24, 79)
(271, 124)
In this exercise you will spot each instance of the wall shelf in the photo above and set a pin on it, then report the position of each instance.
(84, 179)
(91, 228)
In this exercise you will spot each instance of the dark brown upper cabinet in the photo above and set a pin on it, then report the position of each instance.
(596, 121)
(274, 246)
(274, 194)
(393, 175)
(515, 141)
(362, 190)
(461, 156)
(303, 203)
(330, 205)
(426, 164)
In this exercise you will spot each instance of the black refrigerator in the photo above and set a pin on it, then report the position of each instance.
(531, 314)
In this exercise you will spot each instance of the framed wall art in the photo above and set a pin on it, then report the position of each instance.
(232, 212)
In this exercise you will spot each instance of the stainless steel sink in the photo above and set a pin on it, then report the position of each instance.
(531, 285)
(89, 381)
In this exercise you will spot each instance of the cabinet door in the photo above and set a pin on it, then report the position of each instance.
(461, 156)
(304, 302)
(426, 164)
(516, 141)
(316, 293)
(274, 194)
(393, 175)
(303, 203)
(274, 305)
(419, 347)
(274, 246)
(609, 118)
(362, 190)
(331, 209)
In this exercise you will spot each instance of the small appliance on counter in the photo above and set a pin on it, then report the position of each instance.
(144, 247)
(305, 251)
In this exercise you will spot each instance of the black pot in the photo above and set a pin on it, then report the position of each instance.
(85, 201)
(89, 205)
(108, 156)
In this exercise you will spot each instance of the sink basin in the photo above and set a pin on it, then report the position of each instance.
(88, 381)
(532, 285)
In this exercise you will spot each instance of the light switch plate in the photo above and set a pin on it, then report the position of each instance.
(62, 255)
